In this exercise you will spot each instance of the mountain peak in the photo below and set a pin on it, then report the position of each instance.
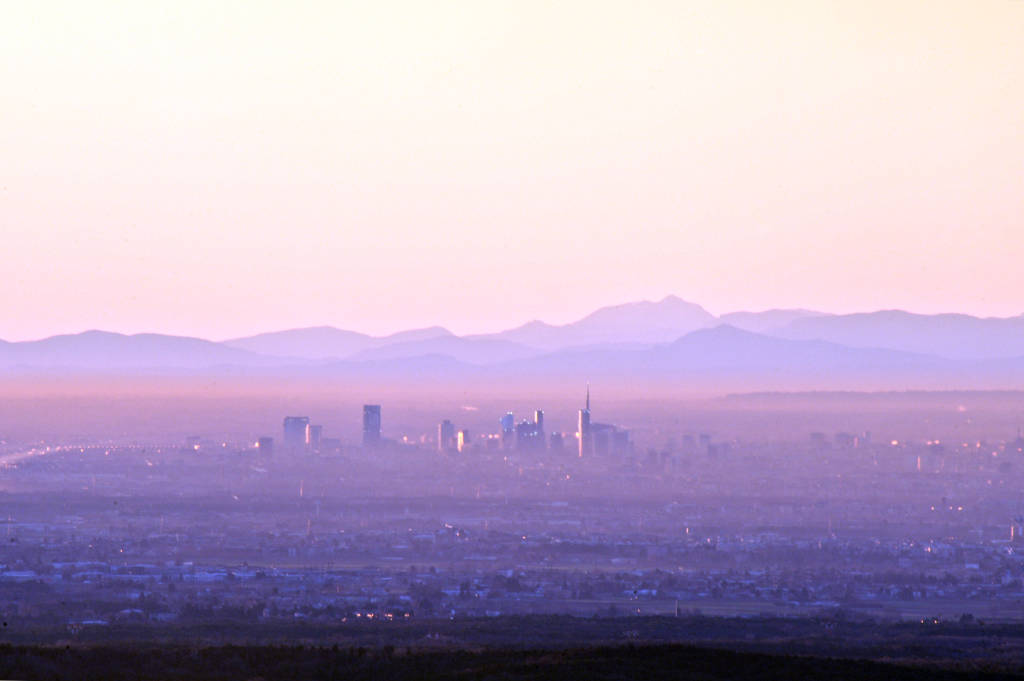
(640, 322)
(720, 332)
(97, 333)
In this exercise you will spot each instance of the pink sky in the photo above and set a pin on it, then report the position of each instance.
(218, 169)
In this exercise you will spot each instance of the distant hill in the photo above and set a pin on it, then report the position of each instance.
(472, 351)
(956, 336)
(725, 351)
(327, 342)
(767, 321)
(641, 322)
(102, 350)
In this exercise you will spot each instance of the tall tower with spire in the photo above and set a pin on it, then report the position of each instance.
(586, 441)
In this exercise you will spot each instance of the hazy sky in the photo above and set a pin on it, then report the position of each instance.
(218, 168)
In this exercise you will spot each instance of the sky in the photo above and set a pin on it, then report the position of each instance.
(219, 169)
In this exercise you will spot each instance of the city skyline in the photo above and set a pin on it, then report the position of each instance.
(512, 340)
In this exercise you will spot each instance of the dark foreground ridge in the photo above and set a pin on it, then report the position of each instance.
(301, 662)
(532, 647)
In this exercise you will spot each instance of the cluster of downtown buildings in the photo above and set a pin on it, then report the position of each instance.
(528, 435)
(105, 535)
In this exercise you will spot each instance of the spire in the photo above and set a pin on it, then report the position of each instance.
(588, 396)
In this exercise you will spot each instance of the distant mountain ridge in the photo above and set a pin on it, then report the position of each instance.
(727, 352)
(957, 336)
(768, 321)
(641, 322)
(327, 342)
(103, 350)
(669, 338)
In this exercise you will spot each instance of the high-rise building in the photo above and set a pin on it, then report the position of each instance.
(295, 432)
(530, 434)
(371, 425)
(314, 434)
(586, 441)
(265, 445)
(538, 420)
(528, 438)
(445, 436)
(508, 430)
(463, 443)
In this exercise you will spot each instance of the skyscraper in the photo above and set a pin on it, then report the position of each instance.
(530, 434)
(313, 436)
(445, 436)
(463, 443)
(528, 438)
(295, 432)
(508, 430)
(371, 425)
(586, 440)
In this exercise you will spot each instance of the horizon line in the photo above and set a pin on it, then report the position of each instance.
(446, 329)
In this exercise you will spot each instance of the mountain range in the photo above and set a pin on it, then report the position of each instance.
(670, 339)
